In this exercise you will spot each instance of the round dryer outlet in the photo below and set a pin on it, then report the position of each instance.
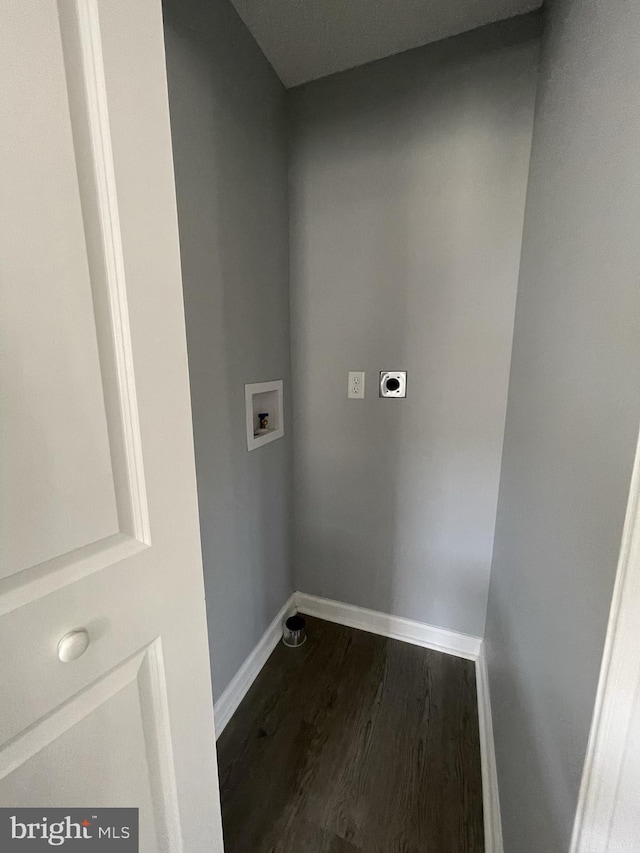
(393, 383)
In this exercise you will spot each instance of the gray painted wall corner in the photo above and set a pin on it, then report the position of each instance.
(572, 417)
(407, 186)
(229, 139)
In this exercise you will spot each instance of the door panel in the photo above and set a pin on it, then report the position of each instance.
(100, 526)
(68, 756)
(75, 471)
(59, 470)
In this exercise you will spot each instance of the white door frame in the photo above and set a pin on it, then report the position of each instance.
(612, 740)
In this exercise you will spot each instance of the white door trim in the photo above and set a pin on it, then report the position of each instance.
(618, 689)
(493, 842)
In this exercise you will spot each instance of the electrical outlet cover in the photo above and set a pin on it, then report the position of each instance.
(355, 389)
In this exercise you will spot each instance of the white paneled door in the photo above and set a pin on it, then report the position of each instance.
(99, 523)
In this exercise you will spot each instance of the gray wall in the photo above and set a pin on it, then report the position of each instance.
(228, 123)
(572, 418)
(407, 187)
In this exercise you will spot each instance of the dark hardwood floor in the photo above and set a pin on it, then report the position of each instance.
(353, 743)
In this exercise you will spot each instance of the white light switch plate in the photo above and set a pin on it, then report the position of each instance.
(355, 390)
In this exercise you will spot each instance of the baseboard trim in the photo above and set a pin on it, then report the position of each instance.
(396, 627)
(237, 688)
(493, 842)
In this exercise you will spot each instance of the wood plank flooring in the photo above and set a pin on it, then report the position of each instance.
(353, 743)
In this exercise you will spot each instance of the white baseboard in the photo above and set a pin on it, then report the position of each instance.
(490, 796)
(237, 688)
(396, 627)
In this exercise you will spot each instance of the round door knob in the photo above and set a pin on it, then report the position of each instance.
(73, 645)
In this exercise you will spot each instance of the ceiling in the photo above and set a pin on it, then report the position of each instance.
(307, 39)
